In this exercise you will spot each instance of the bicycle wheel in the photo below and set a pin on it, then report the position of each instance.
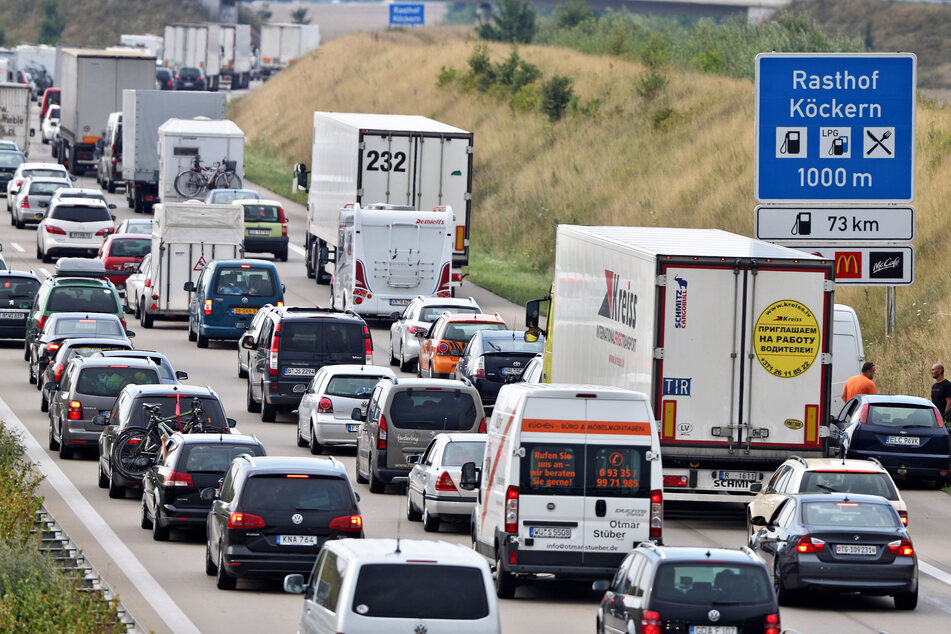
(134, 452)
(227, 180)
(189, 184)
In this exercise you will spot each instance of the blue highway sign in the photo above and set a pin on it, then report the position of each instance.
(835, 127)
(407, 15)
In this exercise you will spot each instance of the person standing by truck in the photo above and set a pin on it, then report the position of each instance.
(860, 383)
(941, 390)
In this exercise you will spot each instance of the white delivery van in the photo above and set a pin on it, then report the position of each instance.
(388, 254)
(848, 352)
(181, 140)
(570, 484)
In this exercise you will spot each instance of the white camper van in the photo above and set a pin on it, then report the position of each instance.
(848, 352)
(389, 254)
(570, 484)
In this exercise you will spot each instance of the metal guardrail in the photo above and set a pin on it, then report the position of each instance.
(67, 555)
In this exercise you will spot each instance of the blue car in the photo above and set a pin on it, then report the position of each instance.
(226, 297)
(905, 433)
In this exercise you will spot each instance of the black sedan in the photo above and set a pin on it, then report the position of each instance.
(905, 433)
(838, 542)
(494, 358)
(189, 78)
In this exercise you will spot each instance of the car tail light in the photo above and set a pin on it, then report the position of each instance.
(349, 523)
(17, 183)
(55, 229)
(444, 482)
(283, 230)
(442, 348)
(178, 76)
(178, 479)
(675, 481)
(207, 309)
(325, 406)
(58, 374)
(244, 521)
(511, 509)
(443, 289)
(938, 418)
(651, 623)
(479, 370)
(106, 232)
(25, 203)
(863, 413)
(482, 425)
(902, 514)
(657, 514)
(809, 545)
(40, 321)
(148, 282)
(367, 345)
(360, 287)
(52, 347)
(272, 355)
(772, 624)
(416, 330)
(168, 82)
(901, 547)
(75, 411)
(381, 436)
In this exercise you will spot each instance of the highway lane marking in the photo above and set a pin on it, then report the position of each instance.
(148, 587)
(296, 249)
(44, 271)
(932, 571)
(17, 247)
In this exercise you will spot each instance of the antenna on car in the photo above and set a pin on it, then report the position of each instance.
(398, 524)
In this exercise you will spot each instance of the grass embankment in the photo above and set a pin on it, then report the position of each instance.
(682, 157)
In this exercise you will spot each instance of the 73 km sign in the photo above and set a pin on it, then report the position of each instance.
(835, 127)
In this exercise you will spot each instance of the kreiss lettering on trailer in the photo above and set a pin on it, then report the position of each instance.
(619, 305)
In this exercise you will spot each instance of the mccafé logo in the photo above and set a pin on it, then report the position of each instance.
(848, 264)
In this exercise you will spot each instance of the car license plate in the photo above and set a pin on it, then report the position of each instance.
(512, 371)
(243, 310)
(914, 441)
(353, 428)
(259, 232)
(82, 235)
(6, 315)
(854, 549)
(712, 629)
(300, 387)
(299, 371)
(399, 302)
(747, 476)
(552, 533)
(297, 540)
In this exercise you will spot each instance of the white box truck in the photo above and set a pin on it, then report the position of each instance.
(181, 141)
(143, 112)
(390, 255)
(185, 237)
(92, 85)
(384, 158)
(282, 44)
(730, 337)
(15, 114)
(196, 46)
(151, 44)
(236, 55)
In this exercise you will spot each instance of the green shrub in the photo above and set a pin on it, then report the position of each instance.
(652, 84)
(572, 13)
(512, 21)
(19, 480)
(38, 604)
(447, 76)
(556, 95)
(526, 99)
(515, 72)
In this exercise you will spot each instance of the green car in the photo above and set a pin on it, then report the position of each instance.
(265, 227)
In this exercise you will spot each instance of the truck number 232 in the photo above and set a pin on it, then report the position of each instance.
(381, 161)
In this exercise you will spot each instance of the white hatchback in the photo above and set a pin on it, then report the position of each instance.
(433, 493)
(416, 318)
(73, 226)
(33, 199)
(52, 170)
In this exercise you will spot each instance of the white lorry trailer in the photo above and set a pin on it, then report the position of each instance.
(390, 255)
(185, 237)
(282, 44)
(196, 46)
(236, 55)
(15, 114)
(151, 44)
(143, 112)
(730, 337)
(92, 85)
(384, 158)
(180, 141)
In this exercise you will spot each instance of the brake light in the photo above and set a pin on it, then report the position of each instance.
(443, 289)
(361, 289)
(479, 368)
(207, 308)
(772, 624)
(381, 436)
(367, 345)
(106, 232)
(511, 509)
(75, 411)
(675, 481)
(349, 523)
(58, 375)
(902, 514)
(244, 521)
(52, 347)
(417, 330)
(55, 229)
(178, 76)
(651, 623)
(177, 479)
(40, 321)
(938, 418)
(325, 406)
(863, 413)
(283, 230)
(148, 282)
(17, 183)
(272, 355)
(809, 545)
(482, 425)
(902, 548)
(25, 203)
(122, 321)
(657, 514)
(442, 348)
(444, 482)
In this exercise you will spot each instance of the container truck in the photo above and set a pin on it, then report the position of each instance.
(92, 85)
(236, 54)
(185, 237)
(282, 44)
(196, 46)
(180, 141)
(143, 112)
(15, 114)
(729, 336)
(152, 44)
(384, 158)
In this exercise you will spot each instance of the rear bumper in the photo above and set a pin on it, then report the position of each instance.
(335, 433)
(847, 577)
(72, 250)
(264, 245)
(579, 565)
(388, 474)
(903, 465)
(283, 395)
(13, 331)
(443, 506)
(190, 517)
(243, 563)
(220, 332)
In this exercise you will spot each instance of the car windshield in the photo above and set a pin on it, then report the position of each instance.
(11, 159)
(80, 213)
(169, 404)
(86, 299)
(130, 247)
(131, 226)
(262, 213)
(109, 381)
(87, 350)
(241, 281)
(351, 386)
(44, 172)
(223, 197)
(46, 188)
(444, 410)
(457, 454)
(850, 515)
(189, 73)
(430, 313)
(866, 483)
(18, 288)
(54, 112)
(216, 457)
(78, 193)
(901, 416)
(710, 583)
(90, 326)
(508, 344)
(309, 493)
(463, 331)
(416, 591)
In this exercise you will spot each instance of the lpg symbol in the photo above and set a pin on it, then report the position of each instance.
(834, 143)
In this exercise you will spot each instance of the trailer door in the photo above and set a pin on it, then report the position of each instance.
(443, 179)
(387, 165)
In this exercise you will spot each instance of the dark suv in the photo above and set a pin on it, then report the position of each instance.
(291, 345)
(680, 589)
(273, 514)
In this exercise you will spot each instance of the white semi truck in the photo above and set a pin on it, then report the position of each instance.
(15, 114)
(392, 159)
(282, 44)
(236, 54)
(729, 336)
(196, 46)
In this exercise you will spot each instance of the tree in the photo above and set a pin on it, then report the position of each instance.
(264, 13)
(52, 24)
(299, 16)
(513, 21)
(572, 13)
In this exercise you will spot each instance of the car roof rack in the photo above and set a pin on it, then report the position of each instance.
(80, 267)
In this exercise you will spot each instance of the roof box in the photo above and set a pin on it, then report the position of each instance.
(80, 267)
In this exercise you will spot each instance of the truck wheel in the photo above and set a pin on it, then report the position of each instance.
(308, 258)
(319, 271)
(147, 319)
(111, 186)
(137, 202)
(504, 581)
(129, 200)
(74, 168)
(201, 340)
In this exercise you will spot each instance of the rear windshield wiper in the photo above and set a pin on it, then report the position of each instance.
(825, 487)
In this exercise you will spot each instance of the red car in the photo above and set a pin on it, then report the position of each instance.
(50, 97)
(121, 252)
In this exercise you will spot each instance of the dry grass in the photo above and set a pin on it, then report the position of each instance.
(615, 167)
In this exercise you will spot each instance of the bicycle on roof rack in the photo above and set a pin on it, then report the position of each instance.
(192, 181)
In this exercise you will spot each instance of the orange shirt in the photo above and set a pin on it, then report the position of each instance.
(858, 384)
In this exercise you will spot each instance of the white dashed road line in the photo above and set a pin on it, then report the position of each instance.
(296, 249)
(44, 271)
(17, 247)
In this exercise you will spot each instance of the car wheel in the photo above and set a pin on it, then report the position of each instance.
(146, 319)
(376, 485)
(430, 521)
(53, 443)
(111, 187)
(201, 340)
(210, 568)
(268, 411)
(223, 580)
(19, 224)
(32, 377)
(356, 469)
(103, 480)
(138, 309)
(282, 256)
(393, 360)
(784, 596)
(192, 337)
(405, 366)
(159, 533)
(504, 581)
(906, 600)
(301, 442)
(411, 513)
(65, 451)
(144, 520)
(26, 349)
(252, 405)
(116, 492)
(242, 373)
(315, 447)
(44, 404)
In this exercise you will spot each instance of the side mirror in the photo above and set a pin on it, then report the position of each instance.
(232, 423)
(129, 333)
(414, 459)
(756, 487)
(356, 415)
(32, 132)
(72, 178)
(181, 376)
(300, 177)
(394, 315)
(99, 419)
(247, 342)
(112, 206)
(531, 335)
(601, 585)
(294, 584)
(50, 386)
(470, 477)
(209, 494)
(189, 286)
(759, 520)
(532, 311)
(113, 216)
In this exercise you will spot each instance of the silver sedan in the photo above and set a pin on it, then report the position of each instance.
(433, 493)
(416, 319)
